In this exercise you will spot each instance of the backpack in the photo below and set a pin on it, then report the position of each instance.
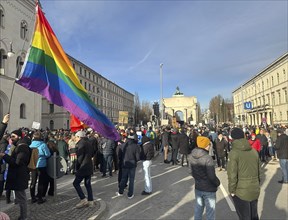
(150, 134)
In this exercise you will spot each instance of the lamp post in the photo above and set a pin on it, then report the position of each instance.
(161, 92)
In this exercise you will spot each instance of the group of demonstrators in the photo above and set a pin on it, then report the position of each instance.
(239, 151)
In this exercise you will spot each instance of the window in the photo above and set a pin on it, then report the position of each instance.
(23, 30)
(51, 110)
(267, 83)
(80, 69)
(2, 61)
(19, 64)
(85, 73)
(278, 78)
(285, 96)
(22, 111)
(284, 75)
(280, 116)
(1, 17)
(85, 85)
(279, 97)
(273, 98)
(73, 65)
(272, 80)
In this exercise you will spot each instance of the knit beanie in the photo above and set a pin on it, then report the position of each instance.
(17, 132)
(237, 133)
(202, 142)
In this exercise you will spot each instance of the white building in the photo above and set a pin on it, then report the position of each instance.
(16, 26)
(267, 92)
(17, 20)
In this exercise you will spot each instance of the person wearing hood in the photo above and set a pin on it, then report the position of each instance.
(41, 165)
(243, 171)
(206, 181)
(18, 173)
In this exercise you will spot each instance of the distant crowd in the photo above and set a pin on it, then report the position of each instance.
(24, 155)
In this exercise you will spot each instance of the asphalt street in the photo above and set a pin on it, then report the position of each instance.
(173, 194)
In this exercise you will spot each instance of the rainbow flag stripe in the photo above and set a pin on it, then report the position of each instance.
(48, 71)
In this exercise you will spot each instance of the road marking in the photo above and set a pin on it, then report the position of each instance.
(135, 204)
(227, 197)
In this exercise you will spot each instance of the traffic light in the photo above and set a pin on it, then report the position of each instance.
(156, 109)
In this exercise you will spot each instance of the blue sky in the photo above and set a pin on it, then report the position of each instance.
(206, 47)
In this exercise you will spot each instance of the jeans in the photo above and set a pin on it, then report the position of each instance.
(127, 173)
(246, 210)
(107, 161)
(284, 168)
(263, 153)
(20, 198)
(87, 184)
(147, 175)
(204, 199)
(271, 151)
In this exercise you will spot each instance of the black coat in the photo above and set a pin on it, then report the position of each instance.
(282, 146)
(147, 151)
(175, 140)
(203, 170)
(18, 173)
(85, 152)
(184, 144)
(2, 129)
(221, 147)
(129, 154)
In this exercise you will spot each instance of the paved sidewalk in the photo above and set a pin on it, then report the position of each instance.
(61, 207)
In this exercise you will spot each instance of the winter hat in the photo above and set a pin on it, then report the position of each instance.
(202, 142)
(80, 134)
(17, 132)
(253, 134)
(237, 133)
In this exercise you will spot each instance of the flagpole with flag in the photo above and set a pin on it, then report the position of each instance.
(48, 71)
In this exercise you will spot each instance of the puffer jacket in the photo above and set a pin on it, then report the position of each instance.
(43, 152)
(243, 171)
(203, 171)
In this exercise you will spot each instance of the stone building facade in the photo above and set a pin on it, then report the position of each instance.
(263, 99)
(17, 20)
(16, 26)
(182, 108)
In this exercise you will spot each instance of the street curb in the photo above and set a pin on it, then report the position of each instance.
(100, 212)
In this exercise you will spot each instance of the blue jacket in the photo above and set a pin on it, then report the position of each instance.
(43, 152)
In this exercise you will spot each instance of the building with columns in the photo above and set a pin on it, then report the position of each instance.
(183, 108)
(263, 99)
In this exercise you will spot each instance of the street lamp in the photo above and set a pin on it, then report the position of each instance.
(161, 91)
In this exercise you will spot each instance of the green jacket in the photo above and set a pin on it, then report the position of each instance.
(243, 171)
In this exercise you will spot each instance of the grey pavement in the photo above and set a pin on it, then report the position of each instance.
(172, 197)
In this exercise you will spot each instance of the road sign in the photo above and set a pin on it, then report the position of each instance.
(248, 105)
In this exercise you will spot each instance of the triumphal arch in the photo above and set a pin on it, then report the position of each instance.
(183, 108)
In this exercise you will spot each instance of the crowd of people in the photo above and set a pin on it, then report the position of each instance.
(239, 151)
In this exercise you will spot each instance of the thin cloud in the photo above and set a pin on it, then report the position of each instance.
(141, 61)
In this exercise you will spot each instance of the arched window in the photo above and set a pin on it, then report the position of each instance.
(2, 61)
(23, 30)
(1, 17)
(22, 111)
(19, 63)
(278, 78)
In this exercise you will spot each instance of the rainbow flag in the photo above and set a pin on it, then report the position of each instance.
(48, 71)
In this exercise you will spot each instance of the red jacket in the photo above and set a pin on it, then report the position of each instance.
(255, 144)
